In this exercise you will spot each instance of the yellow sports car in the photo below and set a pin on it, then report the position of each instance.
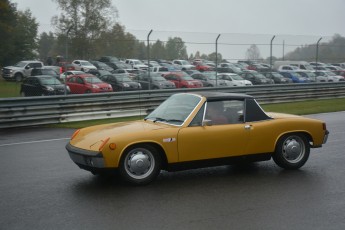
(191, 130)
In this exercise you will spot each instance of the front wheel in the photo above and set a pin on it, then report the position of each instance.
(140, 165)
(292, 151)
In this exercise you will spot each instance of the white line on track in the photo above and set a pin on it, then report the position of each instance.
(31, 142)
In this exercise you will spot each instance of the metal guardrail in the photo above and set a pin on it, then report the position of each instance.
(20, 112)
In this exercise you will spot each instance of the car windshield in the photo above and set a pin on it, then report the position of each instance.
(175, 110)
(277, 75)
(20, 64)
(310, 74)
(259, 75)
(158, 78)
(49, 72)
(187, 78)
(123, 78)
(237, 77)
(329, 73)
(92, 80)
(49, 81)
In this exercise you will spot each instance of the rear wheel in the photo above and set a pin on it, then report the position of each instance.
(292, 151)
(140, 164)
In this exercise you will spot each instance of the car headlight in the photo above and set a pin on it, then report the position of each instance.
(49, 88)
(125, 85)
(95, 86)
(139, 85)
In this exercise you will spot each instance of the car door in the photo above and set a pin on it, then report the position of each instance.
(202, 142)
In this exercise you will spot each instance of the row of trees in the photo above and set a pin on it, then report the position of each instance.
(88, 29)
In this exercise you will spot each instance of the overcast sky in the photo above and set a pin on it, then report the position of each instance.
(240, 22)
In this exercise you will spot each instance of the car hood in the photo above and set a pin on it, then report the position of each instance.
(92, 137)
(13, 67)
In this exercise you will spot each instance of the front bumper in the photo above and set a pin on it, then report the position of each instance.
(325, 138)
(86, 159)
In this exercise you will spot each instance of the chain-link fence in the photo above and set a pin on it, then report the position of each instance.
(231, 47)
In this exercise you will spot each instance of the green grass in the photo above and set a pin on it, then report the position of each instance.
(298, 108)
(9, 89)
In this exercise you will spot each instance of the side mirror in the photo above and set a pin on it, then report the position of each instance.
(206, 123)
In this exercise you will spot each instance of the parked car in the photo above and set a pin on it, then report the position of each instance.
(101, 65)
(83, 65)
(337, 70)
(120, 82)
(209, 79)
(20, 70)
(182, 80)
(183, 64)
(153, 81)
(331, 77)
(65, 66)
(288, 68)
(234, 79)
(87, 83)
(277, 78)
(136, 64)
(191, 130)
(256, 78)
(43, 85)
(295, 77)
(258, 67)
(201, 66)
(68, 73)
(312, 76)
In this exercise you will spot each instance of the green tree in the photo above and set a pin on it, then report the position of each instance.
(176, 49)
(84, 21)
(8, 13)
(157, 50)
(18, 34)
(253, 53)
(46, 45)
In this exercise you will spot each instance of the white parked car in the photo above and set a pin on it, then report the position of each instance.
(83, 65)
(233, 79)
(312, 76)
(331, 77)
(136, 64)
(183, 64)
(288, 68)
(64, 75)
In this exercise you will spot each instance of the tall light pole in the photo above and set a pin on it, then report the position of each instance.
(317, 52)
(271, 53)
(148, 57)
(66, 55)
(217, 59)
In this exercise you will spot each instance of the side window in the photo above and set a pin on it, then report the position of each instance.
(197, 121)
(80, 81)
(234, 111)
(215, 112)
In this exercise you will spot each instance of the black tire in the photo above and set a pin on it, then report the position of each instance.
(18, 77)
(292, 151)
(140, 165)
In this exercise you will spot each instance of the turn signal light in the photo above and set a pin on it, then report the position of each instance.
(75, 134)
(112, 146)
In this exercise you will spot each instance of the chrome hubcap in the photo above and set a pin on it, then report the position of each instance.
(139, 163)
(293, 149)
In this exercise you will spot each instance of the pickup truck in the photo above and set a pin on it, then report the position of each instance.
(20, 70)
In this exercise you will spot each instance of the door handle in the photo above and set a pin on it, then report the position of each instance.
(247, 126)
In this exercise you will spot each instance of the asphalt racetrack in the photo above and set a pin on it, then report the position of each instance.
(41, 188)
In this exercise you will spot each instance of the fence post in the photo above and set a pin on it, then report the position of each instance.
(217, 59)
(148, 58)
(317, 52)
(271, 53)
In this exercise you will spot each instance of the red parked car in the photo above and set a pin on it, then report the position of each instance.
(182, 80)
(87, 83)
